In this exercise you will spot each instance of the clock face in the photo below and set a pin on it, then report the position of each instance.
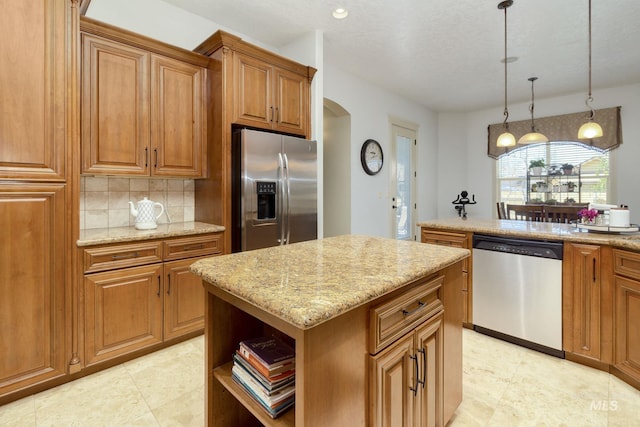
(371, 157)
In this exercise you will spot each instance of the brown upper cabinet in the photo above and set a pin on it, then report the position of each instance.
(270, 97)
(143, 105)
(33, 76)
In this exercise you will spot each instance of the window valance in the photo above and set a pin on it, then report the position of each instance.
(562, 128)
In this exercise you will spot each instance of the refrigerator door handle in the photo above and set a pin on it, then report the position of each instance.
(280, 200)
(287, 227)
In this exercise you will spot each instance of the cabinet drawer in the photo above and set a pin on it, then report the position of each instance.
(192, 247)
(447, 239)
(112, 257)
(394, 318)
(626, 264)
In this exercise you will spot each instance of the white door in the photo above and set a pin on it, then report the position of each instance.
(403, 182)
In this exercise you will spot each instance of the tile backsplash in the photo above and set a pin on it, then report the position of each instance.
(104, 201)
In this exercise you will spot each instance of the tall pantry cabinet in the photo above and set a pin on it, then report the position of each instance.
(38, 205)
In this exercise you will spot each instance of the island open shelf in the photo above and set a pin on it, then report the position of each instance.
(223, 375)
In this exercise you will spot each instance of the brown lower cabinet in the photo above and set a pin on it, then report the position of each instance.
(129, 307)
(457, 240)
(407, 379)
(627, 316)
(33, 289)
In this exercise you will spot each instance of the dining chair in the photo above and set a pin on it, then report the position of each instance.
(502, 211)
(526, 212)
(562, 214)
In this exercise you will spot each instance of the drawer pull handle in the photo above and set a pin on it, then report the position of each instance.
(424, 366)
(414, 389)
(410, 312)
(126, 256)
(193, 247)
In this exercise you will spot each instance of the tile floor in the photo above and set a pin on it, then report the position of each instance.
(504, 385)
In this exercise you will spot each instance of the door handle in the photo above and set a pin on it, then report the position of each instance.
(158, 286)
(414, 389)
(410, 312)
(169, 284)
(424, 366)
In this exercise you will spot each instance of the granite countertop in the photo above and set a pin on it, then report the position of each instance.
(310, 282)
(101, 236)
(536, 230)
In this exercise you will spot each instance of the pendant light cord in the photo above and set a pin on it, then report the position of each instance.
(590, 98)
(532, 79)
(506, 111)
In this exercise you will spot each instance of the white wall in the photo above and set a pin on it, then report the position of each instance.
(161, 21)
(480, 169)
(371, 109)
(337, 163)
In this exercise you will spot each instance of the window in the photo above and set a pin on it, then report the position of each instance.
(589, 182)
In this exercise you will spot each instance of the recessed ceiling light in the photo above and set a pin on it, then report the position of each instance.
(340, 13)
(509, 59)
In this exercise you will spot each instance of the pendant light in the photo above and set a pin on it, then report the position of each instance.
(532, 137)
(506, 139)
(590, 129)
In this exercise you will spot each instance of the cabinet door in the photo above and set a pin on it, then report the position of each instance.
(627, 335)
(32, 284)
(584, 264)
(430, 352)
(115, 108)
(123, 311)
(457, 240)
(394, 376)
(183, 300)
(291, 103)
(253, 92)
(33, 73)
(177, 118)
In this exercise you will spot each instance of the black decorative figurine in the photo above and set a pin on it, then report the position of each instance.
(462, 201)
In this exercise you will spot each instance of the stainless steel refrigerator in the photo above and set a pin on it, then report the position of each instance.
(274, 190)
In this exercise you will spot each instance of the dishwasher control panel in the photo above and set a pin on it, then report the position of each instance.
(511, 245)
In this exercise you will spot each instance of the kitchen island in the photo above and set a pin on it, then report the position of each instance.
(376, 324)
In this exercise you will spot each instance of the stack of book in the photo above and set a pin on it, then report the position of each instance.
(265, 368)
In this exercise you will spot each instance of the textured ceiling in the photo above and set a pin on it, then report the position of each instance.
(446, 54)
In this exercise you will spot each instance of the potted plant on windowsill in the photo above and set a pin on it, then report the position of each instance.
(567, 169)
(536, 166)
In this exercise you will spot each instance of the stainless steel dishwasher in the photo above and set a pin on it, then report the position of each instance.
(517, 291)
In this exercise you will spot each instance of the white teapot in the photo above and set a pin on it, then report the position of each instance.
(145, 214)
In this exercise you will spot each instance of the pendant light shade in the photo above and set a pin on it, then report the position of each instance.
(590, 129)
(506, 139)
(532, 137)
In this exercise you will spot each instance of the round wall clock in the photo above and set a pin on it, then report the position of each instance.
(371, 157)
